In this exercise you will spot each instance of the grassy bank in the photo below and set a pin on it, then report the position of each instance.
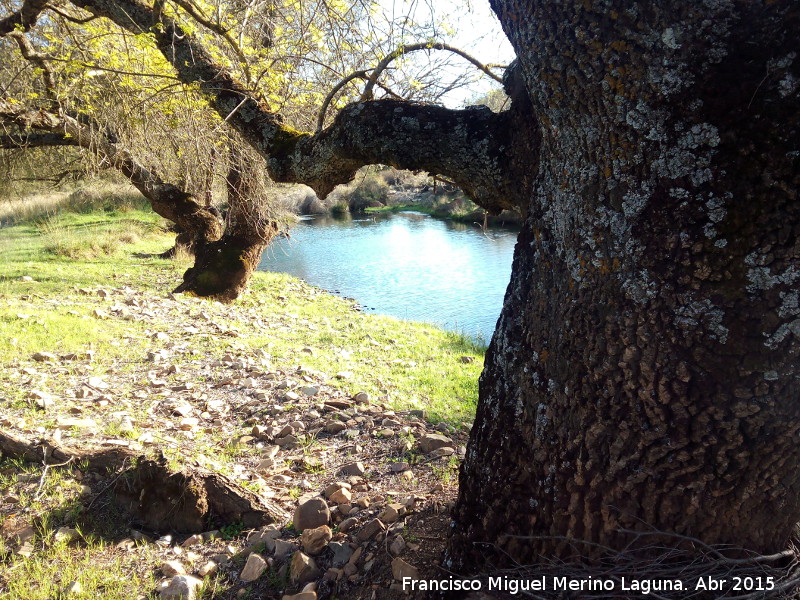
(47, 264)
(94, 350)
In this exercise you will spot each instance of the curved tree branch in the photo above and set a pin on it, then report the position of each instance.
(335, 90)
(384, 64)
(38, 59)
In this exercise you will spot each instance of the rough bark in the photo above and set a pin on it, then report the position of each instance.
(166, 199)
(223, 267)
(644, 371)
(156, 496)
(24, 18)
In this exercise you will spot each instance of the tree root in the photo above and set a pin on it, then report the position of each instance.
(159, 498)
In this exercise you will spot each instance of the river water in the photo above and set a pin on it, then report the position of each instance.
(407, 265)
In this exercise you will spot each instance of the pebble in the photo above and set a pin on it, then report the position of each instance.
(183, 587)
(355, 468)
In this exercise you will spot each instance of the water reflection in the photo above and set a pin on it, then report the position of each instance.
(407, 265)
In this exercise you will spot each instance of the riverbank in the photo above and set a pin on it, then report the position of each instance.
(96, 356)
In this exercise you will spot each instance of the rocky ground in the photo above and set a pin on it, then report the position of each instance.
(365, 490)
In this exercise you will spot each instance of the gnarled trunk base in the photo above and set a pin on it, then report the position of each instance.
(223, 268)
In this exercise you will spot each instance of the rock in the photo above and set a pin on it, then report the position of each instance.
(347, 525)
(172, 568)
(341, 496)
(467, 359)
(253, 568)
(397, 546)
(389, 515)
(183, 587)
(301, 596)
(303, 569)
(208, 568)
(399, 467)
(433, 441)
(310, 514)
(401, 569)
(341, 553)
(370, 530)
(43, 357)
(73, 587)
(283, 549)
(192, 540)
(315, 540)
(310, 390)
(67, 535)
(355, 468)
(77, 423)
(361, 398)
(334, 427)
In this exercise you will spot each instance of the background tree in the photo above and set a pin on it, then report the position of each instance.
(643, 376)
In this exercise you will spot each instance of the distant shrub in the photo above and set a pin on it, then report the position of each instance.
(370, 192)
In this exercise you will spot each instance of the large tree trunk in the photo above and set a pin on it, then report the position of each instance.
(645, 372)
(223, 267)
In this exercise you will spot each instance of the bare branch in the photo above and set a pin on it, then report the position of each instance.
(166, 199)
(382, 66)
(35, 140)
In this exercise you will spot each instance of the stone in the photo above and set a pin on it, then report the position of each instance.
(334, 427)
(73, 587)
(192, 540)
(208, 568)
(303, 569)
(370, 530)
(310, 514)
(347, 525)
(433, 441)
(341, 553)
(43, 357)
(341, 496)
(310, 390)
(399, 467)
(301, 596)
(397, 546)
(401, 570)
(180, 587)
(389, 515)
(172, 568)
(253, 568)
(315, 540)
(361, 398)
(355, 468)
(444, 451)
(67, 535)
(284, 549)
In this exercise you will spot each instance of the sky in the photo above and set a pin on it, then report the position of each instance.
(475, 29)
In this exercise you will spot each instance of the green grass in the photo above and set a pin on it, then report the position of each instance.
(404, 365)
(408, 365)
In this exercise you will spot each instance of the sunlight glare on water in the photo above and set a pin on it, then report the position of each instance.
(406, 265)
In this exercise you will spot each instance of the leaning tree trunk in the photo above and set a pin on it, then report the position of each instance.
(645, 372)
(223, 267)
